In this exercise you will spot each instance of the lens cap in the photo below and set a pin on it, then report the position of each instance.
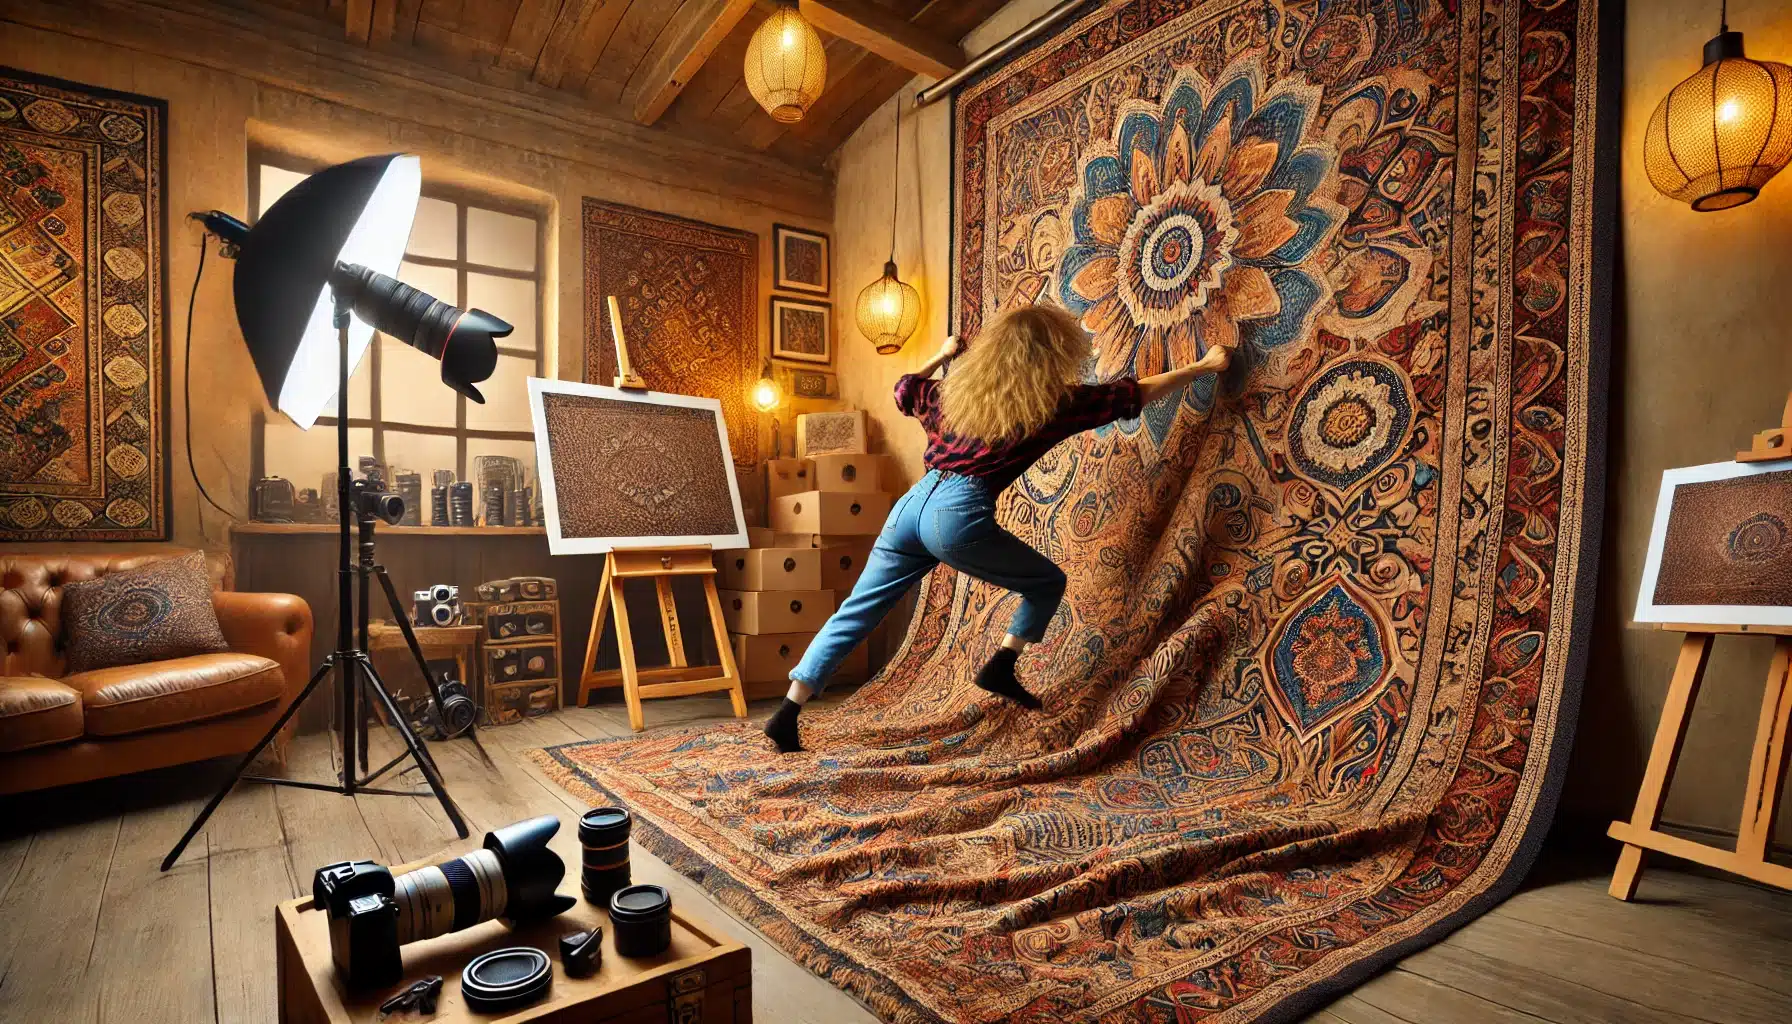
(506, 979)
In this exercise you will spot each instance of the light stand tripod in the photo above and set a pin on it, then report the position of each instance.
(352, 666)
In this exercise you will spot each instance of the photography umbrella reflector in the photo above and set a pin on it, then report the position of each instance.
(337, 238)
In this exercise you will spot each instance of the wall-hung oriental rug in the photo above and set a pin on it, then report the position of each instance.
(83, 361)
(689, 296)
(1309, 700)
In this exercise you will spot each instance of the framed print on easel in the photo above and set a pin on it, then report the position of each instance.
(802, 261)
(802, 330)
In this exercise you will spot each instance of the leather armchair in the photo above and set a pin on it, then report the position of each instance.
(57, 728)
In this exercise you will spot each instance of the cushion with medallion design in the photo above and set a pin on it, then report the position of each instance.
(159, 611)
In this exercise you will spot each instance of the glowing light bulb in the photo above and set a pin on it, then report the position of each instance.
(788, 40)
(887, 304)
(765, 395)
(1728, 111)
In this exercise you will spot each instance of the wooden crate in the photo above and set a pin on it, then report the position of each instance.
(776, 611)
(704, 978)
(509, 703)
(830, 512)
(520, 620)
(794, 568)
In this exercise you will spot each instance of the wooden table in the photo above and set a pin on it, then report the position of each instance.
(704, 978)
(459, 642)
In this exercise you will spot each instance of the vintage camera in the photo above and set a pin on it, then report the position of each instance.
(374, 913)
(410, 487)
(437, 606)
(271, 500)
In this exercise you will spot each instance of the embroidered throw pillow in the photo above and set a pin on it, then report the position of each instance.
(159, 611)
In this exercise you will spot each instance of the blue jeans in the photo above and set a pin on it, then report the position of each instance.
(946, 518)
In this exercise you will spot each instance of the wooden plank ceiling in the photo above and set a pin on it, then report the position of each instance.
(675, 64)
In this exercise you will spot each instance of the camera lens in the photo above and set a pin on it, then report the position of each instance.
(458, 709)
(441, 614)
(642, 918)
(603, 835)
(450, 896)
(441, 592)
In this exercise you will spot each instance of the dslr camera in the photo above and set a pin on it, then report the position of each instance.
(437, 606)
(374, 913)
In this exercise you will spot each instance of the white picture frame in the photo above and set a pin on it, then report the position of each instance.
(558, 542)
(1647, 608)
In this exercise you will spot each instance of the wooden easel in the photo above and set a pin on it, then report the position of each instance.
(661, 565)
(1766, 768)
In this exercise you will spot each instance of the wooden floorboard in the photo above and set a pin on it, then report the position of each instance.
(91, 931)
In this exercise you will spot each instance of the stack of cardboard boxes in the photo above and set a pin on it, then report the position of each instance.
(825, 511)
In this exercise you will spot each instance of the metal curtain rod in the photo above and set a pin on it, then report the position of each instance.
(1034, 28)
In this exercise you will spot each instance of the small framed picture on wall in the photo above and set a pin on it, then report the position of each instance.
(802, 330)
(802, 261)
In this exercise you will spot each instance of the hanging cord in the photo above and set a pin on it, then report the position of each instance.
(1723, 15)
(187, 390)
(896, 178)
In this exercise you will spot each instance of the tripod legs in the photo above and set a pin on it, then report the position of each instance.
(431, 774)
(323, 672)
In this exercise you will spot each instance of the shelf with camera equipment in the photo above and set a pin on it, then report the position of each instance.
(269, 529)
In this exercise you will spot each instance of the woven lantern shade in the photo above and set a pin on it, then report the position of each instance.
(1718, 136)
(786, 66)
(889, 311)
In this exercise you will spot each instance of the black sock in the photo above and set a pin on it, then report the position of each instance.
(781, 727)
(997, 676)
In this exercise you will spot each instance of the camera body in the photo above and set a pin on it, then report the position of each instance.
(374, 913)
(438, 605)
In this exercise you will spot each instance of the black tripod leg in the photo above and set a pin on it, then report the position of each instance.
(378, 687)
(410, 638)
(291, 709)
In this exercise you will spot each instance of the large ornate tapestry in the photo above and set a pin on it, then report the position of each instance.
(1310, 695)
(83, 373)
(689, 294)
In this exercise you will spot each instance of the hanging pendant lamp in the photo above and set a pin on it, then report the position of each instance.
(889, 309)
(786, 66)
(1717, 137)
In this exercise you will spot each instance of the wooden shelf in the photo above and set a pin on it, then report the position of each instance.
(276, 529)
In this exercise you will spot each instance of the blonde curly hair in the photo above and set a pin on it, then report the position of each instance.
(1010, 382)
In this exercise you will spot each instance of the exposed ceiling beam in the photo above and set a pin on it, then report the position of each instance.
(529, 28)
(564, 38)
(683, 57)
(359, 20)
(895, 39)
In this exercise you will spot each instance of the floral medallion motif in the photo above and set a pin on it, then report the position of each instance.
(1351, 419)
(1327, 657)
(1199, 223)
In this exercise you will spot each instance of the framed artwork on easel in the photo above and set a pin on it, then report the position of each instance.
(802, 330)
(802, 261)
(1720, 550)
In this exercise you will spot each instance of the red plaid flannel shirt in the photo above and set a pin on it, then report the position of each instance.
(1086, 407)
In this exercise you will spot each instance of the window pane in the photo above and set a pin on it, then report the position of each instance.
(422, 454)
(509, 298)
(434, 231)
(506, 396)
(360, 390)
(274, 183)
(500, 239)
(441, 282)
(411, 388)
(305, 457)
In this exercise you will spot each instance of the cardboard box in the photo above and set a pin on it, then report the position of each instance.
(858, 474)
(830, 512)
(829, 433)
(765, 537)
(776, 611)
(790, 568)
(768, 658)
(842, 560)
(787, 476)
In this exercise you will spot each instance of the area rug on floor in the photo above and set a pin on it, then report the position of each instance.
(1311, 696)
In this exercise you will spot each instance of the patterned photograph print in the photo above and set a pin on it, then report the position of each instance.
(801, 260)
(802, 330)
(83, 426)
(645, 468)
(1721, 547)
